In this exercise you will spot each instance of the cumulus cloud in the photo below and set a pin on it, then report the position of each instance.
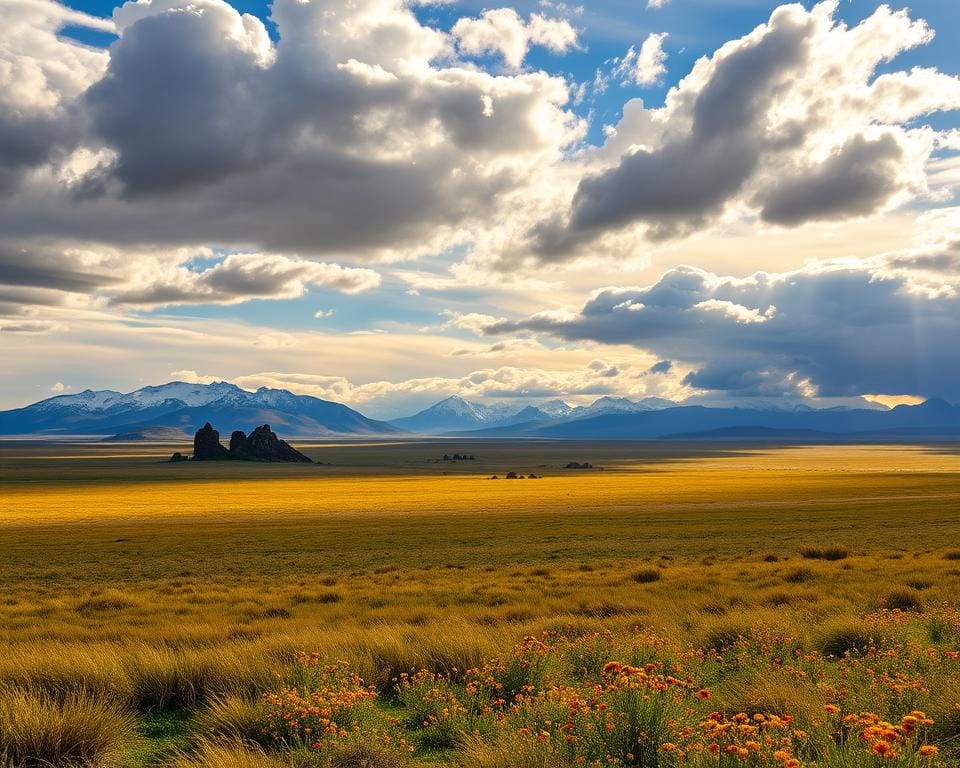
(788, 121)
(831, 329)
(503, 31)
(87, 275)
(41, 75)
(358, 132)
(646, 66)
(243, 276)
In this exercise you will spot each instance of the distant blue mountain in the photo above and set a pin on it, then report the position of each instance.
(931, 419)
(187, 407)
(179, 406)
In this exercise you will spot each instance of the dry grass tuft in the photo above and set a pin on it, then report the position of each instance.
(646, 575)
(39, 731)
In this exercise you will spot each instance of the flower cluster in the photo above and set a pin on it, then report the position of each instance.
(322, 709)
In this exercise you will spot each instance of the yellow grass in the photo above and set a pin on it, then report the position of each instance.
(154, 586)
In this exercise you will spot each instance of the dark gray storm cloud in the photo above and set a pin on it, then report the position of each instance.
(837, 329)
(742, 128)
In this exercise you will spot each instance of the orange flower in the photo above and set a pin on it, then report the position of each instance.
(928, 750)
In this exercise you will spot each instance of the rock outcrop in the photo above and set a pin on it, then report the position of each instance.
(206, 444)
(237, 440)
(177, 456)
(262, 445)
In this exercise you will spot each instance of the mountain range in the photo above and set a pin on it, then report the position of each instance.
(186, 407)
(174, 410)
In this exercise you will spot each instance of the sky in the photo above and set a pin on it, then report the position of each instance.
(385, 203)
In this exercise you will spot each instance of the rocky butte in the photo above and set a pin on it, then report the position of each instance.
(261, 445)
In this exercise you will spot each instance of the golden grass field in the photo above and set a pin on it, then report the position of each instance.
(151, 613)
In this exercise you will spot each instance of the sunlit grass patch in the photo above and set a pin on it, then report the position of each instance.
(38, 731)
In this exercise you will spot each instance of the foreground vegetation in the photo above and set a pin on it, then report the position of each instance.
(677, 605)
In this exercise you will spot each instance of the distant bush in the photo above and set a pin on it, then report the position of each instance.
(902, 600)
(771, 558)
(829, 553)
(646, 575)
(919, 584)
(953, 554)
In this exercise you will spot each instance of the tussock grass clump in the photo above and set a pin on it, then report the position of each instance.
(646, 575)
(231, 718)
(902, 600)
(106, 602)
(365, 756)
(843, 637)
(798, 576)
(724, 634)
(39, 731)
(211, 755)
(828, 553)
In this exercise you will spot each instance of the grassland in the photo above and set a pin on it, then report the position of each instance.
(152, 613)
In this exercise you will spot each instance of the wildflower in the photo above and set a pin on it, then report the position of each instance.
(928, 750)
(831, 709)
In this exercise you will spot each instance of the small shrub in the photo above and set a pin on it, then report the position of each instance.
(771, 558)
(953, 554)
(646, 575)
(919, 584)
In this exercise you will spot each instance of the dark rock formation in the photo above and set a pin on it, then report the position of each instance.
(177, 456)
(263, 445)
(237, 440)
(206, 444)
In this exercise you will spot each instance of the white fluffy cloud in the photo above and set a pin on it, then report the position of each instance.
(646, 66)
(790, 122)
(503, 31)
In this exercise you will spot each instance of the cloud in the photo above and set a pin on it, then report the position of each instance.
(86, 275)
(357, 134)
(788, 121)
(501, 30)
(887, 324)
(243, 276)
(646, 66)
(40, 77)
(59, 388)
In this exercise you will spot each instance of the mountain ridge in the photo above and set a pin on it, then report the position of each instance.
(183, 406)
